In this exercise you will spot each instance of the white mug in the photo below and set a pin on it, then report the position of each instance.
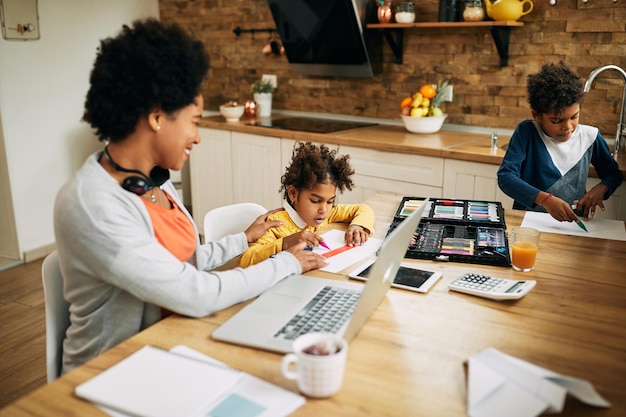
(317, 364)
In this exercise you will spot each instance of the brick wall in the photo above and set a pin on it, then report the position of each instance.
(585, 36)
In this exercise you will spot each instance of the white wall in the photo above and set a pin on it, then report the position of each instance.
(42, 90)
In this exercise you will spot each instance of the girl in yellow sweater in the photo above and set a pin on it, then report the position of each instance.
(310, 187)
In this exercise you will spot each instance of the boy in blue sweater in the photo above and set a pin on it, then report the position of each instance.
(547, 162)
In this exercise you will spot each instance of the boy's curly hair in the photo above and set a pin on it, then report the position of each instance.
(311, 165)
(554, 87)
(146, 67)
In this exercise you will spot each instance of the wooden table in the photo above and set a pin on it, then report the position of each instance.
(408, 359)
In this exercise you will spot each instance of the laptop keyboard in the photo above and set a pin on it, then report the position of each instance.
(326, 312)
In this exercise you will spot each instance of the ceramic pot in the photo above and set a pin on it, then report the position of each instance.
(264, 104)
(508, 9)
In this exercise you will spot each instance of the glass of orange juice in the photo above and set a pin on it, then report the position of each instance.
(524, 241)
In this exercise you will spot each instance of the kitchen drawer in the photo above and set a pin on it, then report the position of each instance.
(415, 169)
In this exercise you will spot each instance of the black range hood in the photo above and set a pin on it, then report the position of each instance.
(328, 37)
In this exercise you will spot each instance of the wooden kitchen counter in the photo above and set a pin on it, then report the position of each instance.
(409, 357)
(451, 144)
(389, 138)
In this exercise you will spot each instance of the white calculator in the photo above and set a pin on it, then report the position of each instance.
(492, 287)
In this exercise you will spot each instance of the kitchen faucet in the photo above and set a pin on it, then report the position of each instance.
(621, 128)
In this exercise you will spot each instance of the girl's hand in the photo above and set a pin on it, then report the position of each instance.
(307, 237)
(356, 235)
(261, 225)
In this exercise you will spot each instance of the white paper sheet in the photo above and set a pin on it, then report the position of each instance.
(262, 399)
(597, 228)
(335, 239)
(153, 382)
(502, 385)
(251, 397)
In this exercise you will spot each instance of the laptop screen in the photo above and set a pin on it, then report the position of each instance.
(384, 270)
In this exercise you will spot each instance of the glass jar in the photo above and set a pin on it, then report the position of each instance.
(405, 12)
(474, 11)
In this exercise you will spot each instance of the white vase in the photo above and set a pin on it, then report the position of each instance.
(264, 101)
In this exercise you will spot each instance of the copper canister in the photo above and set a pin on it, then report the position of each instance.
(250, 109)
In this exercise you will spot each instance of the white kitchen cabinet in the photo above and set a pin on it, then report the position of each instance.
(256, 169)
(210, 173)
(379, 172)
(473, 181)
(231, 167)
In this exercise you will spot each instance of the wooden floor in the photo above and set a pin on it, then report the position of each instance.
(22, 331)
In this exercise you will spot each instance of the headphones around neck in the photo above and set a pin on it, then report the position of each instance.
(144, 183)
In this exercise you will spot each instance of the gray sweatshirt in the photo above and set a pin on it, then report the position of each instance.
(117, 275)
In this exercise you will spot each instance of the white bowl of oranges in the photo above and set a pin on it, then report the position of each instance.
(429, 124)
(421, 112)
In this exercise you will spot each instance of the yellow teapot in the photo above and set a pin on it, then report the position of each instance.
(508, 9)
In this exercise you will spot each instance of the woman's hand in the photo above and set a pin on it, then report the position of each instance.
(356, 235)
(261, 225)
(591, 199)
(308, 259)
(307, 237)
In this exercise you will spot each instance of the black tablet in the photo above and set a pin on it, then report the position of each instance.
(409, 276)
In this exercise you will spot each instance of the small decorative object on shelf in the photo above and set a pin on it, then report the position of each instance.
(473, 11)
(450, 10)
(385, 11)
(508, 9)
(405, 12)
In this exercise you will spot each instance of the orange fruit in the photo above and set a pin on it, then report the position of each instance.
(428, 91)
(406, 102)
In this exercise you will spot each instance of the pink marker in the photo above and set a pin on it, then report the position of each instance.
(324, 245)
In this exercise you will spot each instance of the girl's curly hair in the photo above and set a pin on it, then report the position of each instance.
(554, 87)
(311, 165)
(146, 67)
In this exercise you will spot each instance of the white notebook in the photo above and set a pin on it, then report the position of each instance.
(153, 382)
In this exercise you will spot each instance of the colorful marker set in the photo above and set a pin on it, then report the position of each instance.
(490, 237)
(468, 211)
(409, 206)
(449, 209)
(457, 246)
(482, 211)
(468, 231)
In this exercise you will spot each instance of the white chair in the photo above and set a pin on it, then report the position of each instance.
(231, 219)
(57, 314)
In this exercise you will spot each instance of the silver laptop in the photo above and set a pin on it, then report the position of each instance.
(274, 319)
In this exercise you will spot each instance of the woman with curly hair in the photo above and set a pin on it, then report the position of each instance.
(309, 187)
(128, 250)
(546, 165)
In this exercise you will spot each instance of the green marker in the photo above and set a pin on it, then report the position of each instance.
(578, 221)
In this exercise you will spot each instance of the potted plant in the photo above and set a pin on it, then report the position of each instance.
(262, 94)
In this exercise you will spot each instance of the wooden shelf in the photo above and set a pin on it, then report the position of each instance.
(500, 31)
